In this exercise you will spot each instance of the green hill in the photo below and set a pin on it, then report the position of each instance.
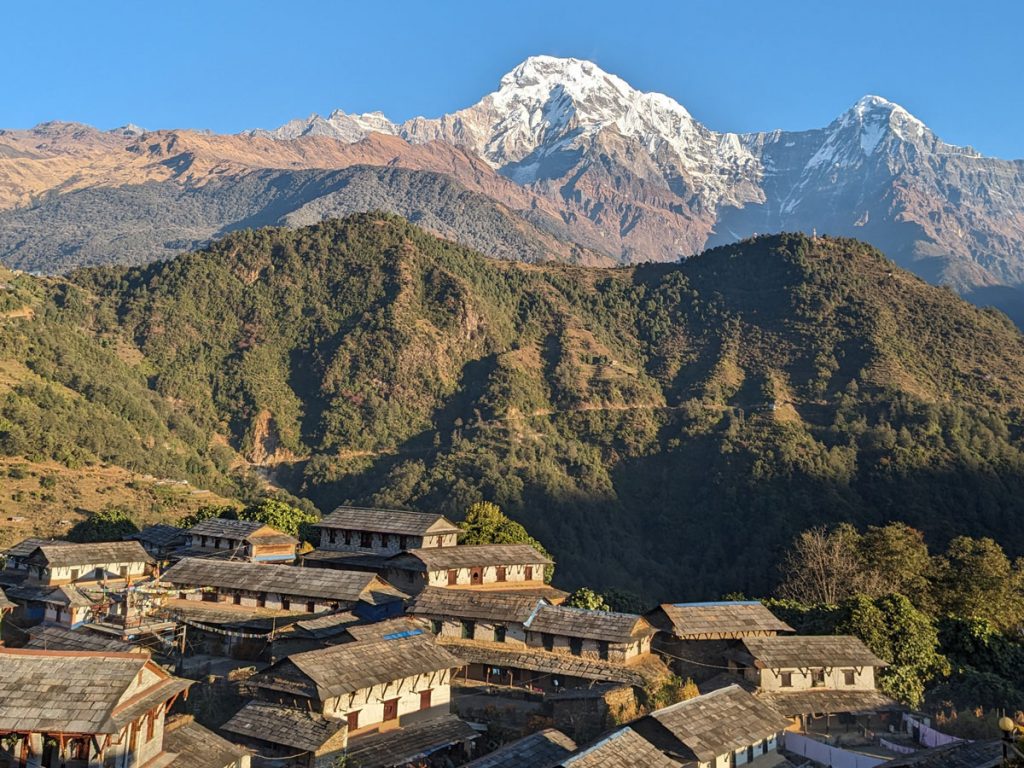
(661, 428)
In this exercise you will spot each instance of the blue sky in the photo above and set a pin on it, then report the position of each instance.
(739, 66)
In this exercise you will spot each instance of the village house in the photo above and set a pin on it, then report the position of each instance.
(604, 635)
(309, 739)
(803, 676)
(482, 566)
(160, 541)
(239, 540)
(623, 748)
(370, 686)
(474, 615)
(725, 728)
(16, 560)
(542, 749)
(194, 746)
(97, 708)
(58, 564)
(52, 637)
(286, 588)
(694, 636)
(385, 531)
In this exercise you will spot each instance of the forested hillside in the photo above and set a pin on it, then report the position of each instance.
(663, 428)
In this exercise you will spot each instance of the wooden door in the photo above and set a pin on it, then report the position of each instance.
(390, 710)
(476, 576)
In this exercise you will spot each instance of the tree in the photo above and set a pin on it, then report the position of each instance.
(976, 580)
(485, 523)
(112, 523)
(584, 597)
(823, 566)
(624, 601)
(896, 560)
(900, 634)
(282, 516)
(207, 512)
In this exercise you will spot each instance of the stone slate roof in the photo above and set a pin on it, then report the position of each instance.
(397, 521)
(468, 556)
(388, 629)
(557, 664)
(797, 651)
(345, 561)
(70, 596)
(282, 725)
(976, 754)
(328, 625)
(824, 701)
(476, 605)
(730, 618)
(713, 724)
(198, 747)
(53, 637)
(76, 692)
(410, 743)
(97, 553)
(158, 535)
(543, 749)
(327, 584)
(340, 669)
(592, 625)
(624, 748)
(26, 547)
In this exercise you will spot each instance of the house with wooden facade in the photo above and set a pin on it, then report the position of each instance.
(477, 615)
(101, 709)
(54, 565)
(288, 588)
(385, 531)
(602, 635)
(482, 566)
(245, 540)
(694, 636)
(369, 686)
(803, 676)
(722, 729)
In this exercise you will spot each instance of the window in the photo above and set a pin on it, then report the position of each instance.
(310, 606)
(453, 577)
(500, 632)
(216, 543)
(500, 573)
(332, 535)
(74, 574)
(385, 539)
(203, 542)
(548, 641)
(764, 746)
(261, 600)
(787, 679)
(817, 678)
(403, 542)
(602, 649)
(476, 576)
(529, 573)
(124, 571)
(750, 753)
(468, 630)
(849, 677)
(435, 626)
(236, 598)
(576, 646)
(348, 540)
(210, 597)
(366, 540)
(352, 718)
(390, 710)
(425, 699)
(286, 604)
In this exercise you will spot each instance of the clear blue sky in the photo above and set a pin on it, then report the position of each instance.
(739, 66)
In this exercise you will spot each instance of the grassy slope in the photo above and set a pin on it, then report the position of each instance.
(664, 428)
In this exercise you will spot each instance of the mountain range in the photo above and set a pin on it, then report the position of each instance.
(691, 414)
(562, 162)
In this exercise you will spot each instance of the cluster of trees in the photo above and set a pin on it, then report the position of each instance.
(949, 623)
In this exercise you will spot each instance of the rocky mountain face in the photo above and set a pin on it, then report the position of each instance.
(656, 184)
(579, 156)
